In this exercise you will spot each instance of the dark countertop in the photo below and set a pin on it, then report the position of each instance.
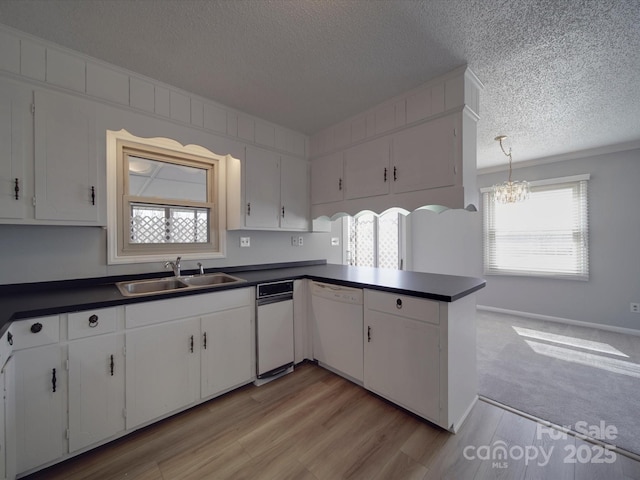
(50, 298)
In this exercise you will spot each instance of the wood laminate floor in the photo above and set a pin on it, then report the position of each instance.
(314, 425)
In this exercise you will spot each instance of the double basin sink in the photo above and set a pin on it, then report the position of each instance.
(166, 285)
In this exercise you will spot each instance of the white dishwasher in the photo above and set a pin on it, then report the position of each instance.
(337, 328)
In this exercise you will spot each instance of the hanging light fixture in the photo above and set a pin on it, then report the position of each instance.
(509, 191)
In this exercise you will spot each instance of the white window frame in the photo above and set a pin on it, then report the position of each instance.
(118, 249)
(579, 229)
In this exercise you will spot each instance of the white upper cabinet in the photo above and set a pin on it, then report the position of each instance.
(414, 150)
(66, 160)
(327, 183)
(267, 191)
(15, 137)
(424, 156)
(294, 194)
(366, 169)
(262, 180)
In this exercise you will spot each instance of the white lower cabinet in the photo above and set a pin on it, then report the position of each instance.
(421, 354)
(96, 389)
(199, 346)
(163, 369)
(227, 350)
(402, 362)
(7, 408)
(41, 406)
(114, 369)
(8, 432)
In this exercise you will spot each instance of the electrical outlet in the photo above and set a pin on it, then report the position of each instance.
(245, 241)
(294, 241)
(635, 308)
(300, 241)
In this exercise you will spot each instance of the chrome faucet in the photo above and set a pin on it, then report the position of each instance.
(175, 266)
(201, 268)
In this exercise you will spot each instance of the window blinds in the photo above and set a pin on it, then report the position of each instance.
(546, 235)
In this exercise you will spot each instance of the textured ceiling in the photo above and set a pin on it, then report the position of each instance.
(559, 75)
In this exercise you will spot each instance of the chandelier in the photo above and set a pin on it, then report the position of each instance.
(509, 191)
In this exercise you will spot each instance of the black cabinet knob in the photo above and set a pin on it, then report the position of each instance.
(93, 321)
(36, 327)
(398, 303)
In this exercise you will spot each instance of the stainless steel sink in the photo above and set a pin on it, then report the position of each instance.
(210, 279)
(167, 285)
(147, 287)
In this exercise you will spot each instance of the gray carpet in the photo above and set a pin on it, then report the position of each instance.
(562, 373)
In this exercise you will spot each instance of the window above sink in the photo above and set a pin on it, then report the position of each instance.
(163, 199)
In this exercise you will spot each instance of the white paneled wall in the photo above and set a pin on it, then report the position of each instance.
(34, 59)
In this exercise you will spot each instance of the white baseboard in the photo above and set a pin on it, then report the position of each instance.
(579, 323)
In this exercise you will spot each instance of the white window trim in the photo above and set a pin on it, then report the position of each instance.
(536, 183)
(113, 254)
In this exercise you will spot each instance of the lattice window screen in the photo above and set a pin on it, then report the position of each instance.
(373, 241)
(168, 225)
(361, 241)
(388, 240)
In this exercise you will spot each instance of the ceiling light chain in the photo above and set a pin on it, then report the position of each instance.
(509, 191)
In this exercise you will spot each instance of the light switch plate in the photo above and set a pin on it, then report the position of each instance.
(335, 241)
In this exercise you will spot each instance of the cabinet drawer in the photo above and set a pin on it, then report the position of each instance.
(34, 332)
(403, 306)
(92, 322)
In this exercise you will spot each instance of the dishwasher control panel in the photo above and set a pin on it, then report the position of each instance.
(272, 289)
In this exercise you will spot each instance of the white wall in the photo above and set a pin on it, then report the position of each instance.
(43, 253)
(448, 242)
(614, 248)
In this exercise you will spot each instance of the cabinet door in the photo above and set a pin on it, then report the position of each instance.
(66, 159)
(402, 362)
(15, 135)
(163, 369)
(294, 194)
(424, 156)
(226, 359)
(366, 169)
(337, 335)
(40, 406)
(96, 389)
(262, 186)
(3, 441)
(9, 431)
(327, 182)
